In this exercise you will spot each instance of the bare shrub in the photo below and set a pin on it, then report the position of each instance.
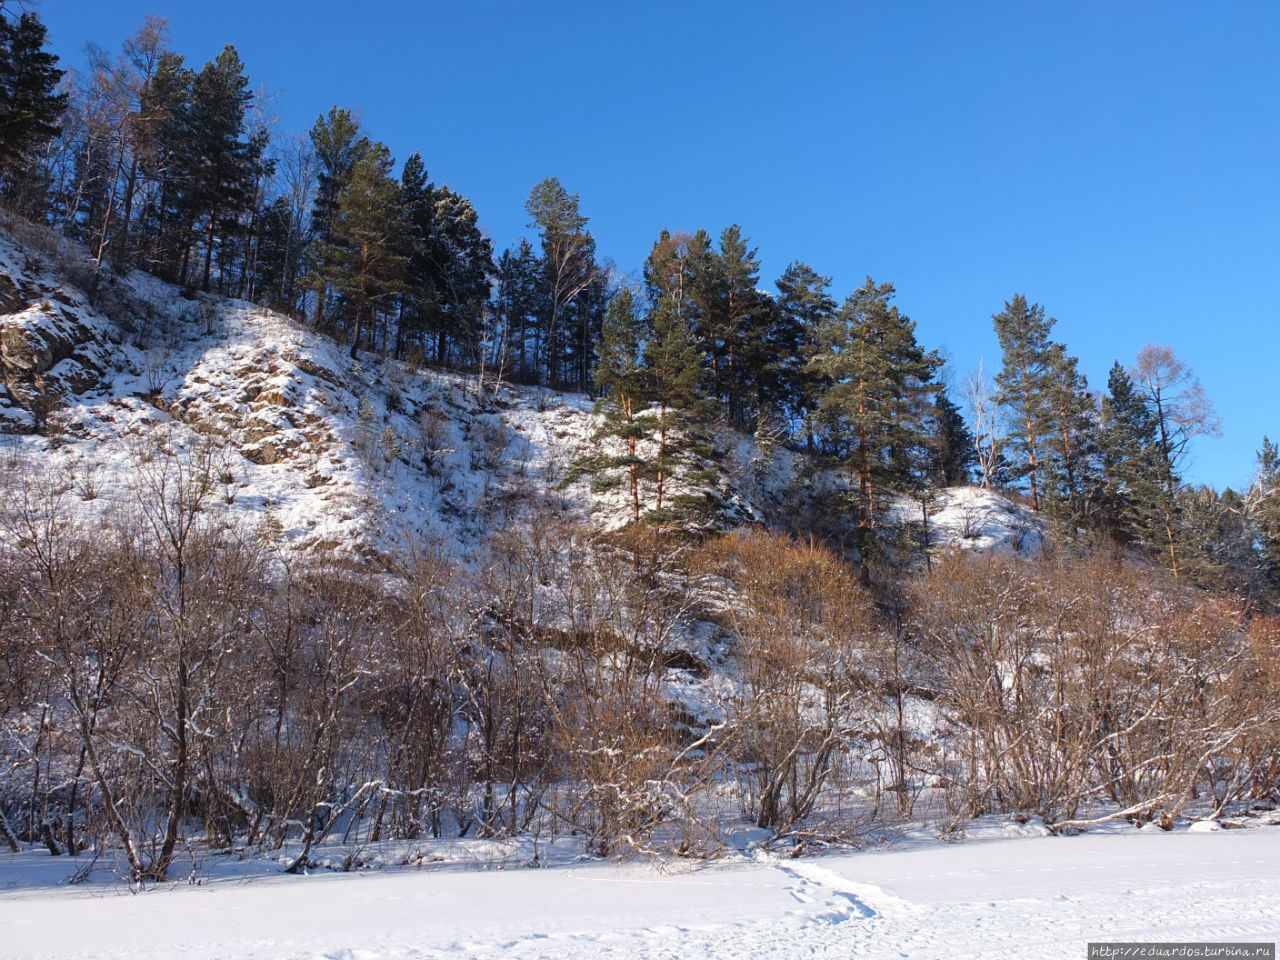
(802, 628)
(1074, 682)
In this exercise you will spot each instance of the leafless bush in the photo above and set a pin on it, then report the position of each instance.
(488, 444)
(155, 370)
(1074, 682)
(802, 628)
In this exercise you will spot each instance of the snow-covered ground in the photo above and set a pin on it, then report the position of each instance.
(343, 456)
(1041, 897)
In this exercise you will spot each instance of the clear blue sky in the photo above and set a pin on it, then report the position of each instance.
(1117, 161)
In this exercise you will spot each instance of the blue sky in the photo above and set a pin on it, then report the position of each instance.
(1117, 161)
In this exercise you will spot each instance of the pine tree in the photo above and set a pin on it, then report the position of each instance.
(741, 330)
(223, 164)
(365, 262)
(338, 144)
(1263, 508)
(1070, 441)
(1130, 491)
(207, 164)
(162, 117)
(953, 451)
(626, 383)
(1025, 384)
(29, 106)
(447, 264)
(1219, 545)
(803, 308)
(672, 354)
(464, 258)
(276, 251)
(518, 304)
(418, 297)
(873, 409)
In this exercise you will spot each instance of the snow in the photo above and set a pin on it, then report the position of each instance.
(348, 457)
(1041, 897)
(972, 518)
(352, 457)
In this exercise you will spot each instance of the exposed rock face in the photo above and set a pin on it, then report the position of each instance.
(53, 347)
(346, 455)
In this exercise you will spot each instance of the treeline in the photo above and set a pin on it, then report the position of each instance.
(172, 682)
(153, 163)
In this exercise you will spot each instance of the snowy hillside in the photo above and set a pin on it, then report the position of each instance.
(342, 455)
(558, 696)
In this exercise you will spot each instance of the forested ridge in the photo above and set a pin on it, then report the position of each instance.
(167, 675)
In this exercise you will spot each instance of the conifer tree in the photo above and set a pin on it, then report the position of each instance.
(1263, 507)
(1219, 548)
(1071, 438)
(568, 259)
(672, 355)
(204, 160)
(276, 249)
(517, 304)
(952, 446)
(449, 261)
(803, 308)
(158, 144)
(30, 107)
(1130, 489)
(1025, 384)
(465, 258)
(879, 375)
(338, 143)
(417, 214)
(626, 384)
(365, 262)
(220, 164)
(739, 331)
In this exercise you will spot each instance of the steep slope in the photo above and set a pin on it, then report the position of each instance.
(349, 456)
(339, 454)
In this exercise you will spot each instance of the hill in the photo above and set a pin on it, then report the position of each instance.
(341, 455)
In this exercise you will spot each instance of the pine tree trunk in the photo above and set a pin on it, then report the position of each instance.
(662, 452)
(355, 334)
(1031, 446)
(208, 251)
(635, 467)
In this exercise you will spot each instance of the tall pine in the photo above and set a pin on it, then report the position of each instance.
(1264, 510)
(626, 384)
(1025, 385)
(338, 144)
(30, 106)
(873, 409)
(1129, 494)
(803, 308)
(365, 260)
(672, 354)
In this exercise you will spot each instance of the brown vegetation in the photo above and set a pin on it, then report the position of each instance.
(170, 677)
